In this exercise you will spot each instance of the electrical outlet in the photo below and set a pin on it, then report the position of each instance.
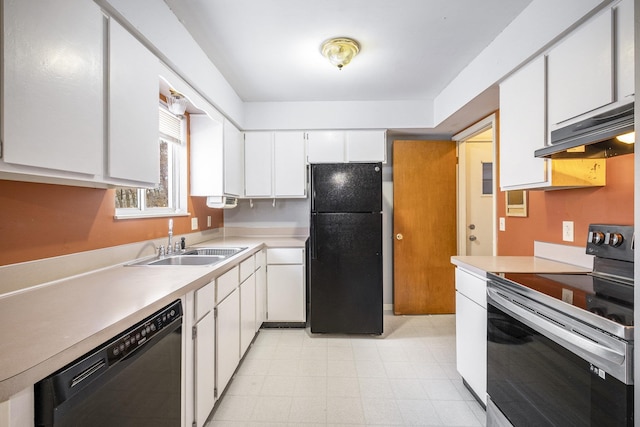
(503, 224)
(208, 220)
(194, 224)
(567, 231)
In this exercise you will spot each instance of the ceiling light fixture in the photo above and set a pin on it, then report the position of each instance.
(176, 102)
(340, 50)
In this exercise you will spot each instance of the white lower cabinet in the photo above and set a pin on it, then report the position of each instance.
(471, 331)
(247, 313)
(285, 285)
(204, 339)
(261, 288)
(228, 339)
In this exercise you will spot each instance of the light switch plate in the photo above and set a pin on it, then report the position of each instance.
(194, 223)
(567, 231)
(503, 224)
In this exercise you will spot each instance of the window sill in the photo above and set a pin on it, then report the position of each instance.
(143, 215)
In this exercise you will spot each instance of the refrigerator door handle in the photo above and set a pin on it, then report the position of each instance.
(314, 240)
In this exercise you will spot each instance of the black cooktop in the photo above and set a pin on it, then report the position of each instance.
(605, 297)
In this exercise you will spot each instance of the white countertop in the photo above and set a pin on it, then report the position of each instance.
(514, 264)
(48, 326)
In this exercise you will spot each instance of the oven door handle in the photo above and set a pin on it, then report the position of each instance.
(557, 333)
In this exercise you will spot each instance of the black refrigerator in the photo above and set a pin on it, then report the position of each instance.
(345, 253)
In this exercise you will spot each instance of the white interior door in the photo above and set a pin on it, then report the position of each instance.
(479, 195)
(476, 188)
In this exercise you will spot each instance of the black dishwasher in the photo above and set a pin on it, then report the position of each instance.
(134, 379)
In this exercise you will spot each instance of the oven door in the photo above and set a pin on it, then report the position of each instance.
(535, 381)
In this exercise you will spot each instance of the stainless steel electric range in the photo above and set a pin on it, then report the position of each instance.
(560, 346)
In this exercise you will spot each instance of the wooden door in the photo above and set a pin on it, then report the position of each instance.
(424, 224)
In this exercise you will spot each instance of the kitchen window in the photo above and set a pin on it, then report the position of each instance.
(169, 198)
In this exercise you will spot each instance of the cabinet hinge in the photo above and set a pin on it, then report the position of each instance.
(215, 392)
(194, 332)
(215, 313)
(194, 424)
(1, 146)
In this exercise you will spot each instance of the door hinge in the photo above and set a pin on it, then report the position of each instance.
(194, 332)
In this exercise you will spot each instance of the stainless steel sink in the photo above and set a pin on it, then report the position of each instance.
(189, 260)
(194, 256)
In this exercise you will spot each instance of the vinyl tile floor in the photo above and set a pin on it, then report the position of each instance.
(405, 377)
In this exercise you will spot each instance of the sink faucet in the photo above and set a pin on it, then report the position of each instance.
(169, 246)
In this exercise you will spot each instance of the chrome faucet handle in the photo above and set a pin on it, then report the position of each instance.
(177, 247)
(161, 251)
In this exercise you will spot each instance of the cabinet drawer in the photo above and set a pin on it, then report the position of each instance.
(205, 299)
(247, 267)
(472, 286)
(285, 256)
(261, 258)
(227, 283)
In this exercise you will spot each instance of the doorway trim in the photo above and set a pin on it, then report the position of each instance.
(460, 138)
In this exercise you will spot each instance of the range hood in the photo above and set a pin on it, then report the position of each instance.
(593, 137)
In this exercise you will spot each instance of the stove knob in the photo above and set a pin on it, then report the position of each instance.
(615, 239)
(596, 237)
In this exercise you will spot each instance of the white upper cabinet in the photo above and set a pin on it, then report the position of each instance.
(233, 160)
(206, 156)
(325, 146)
(581, 70)
(217, 157)
(258, 163)
(134, 153)
(625, 81)
(346, 146)
(522, 129)
(52, 114)
(275, 164)
(289, 167)
(366, 146)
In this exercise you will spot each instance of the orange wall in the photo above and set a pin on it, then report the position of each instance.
(612, 204)
(42, 220)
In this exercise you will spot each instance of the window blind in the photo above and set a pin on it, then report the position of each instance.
(170, 127)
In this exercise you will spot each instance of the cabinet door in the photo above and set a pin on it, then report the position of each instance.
(233, 160)
(285, 293)
(204, 367)
(53, 89)
(261, 295)
(206, 156)
(366, 146)
(134, 150)
(228, 339)
(325, 147)
(471, 344)
(289, 165)
(522, 129)
(625, 83)
(205, 298)
(581, 70)
(247, 313)
(258, 163)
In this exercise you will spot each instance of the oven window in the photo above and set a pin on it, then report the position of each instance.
(536, 382)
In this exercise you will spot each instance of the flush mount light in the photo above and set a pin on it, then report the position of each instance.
(627, 138)
(340, 50)
(176, 102)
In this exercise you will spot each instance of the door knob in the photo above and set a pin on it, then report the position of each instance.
(473, 238)
(399, 236)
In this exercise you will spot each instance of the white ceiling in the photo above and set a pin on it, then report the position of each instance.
(269, 50)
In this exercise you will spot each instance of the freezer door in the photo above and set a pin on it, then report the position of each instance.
(346, 273)
(346, 187)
